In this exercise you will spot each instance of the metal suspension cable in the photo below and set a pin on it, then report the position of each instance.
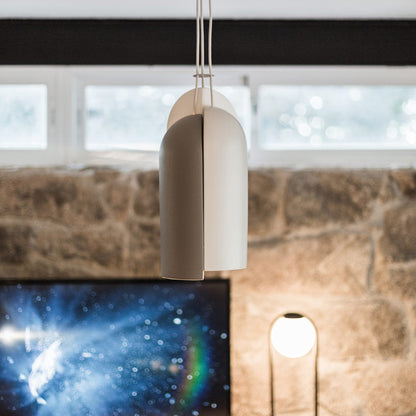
(201, 14)
(210, 54)
(200, 52)
(198, 46)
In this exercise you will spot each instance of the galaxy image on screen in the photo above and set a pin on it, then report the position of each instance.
(128, 348)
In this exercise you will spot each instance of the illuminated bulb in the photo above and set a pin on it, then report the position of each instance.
(293, 335)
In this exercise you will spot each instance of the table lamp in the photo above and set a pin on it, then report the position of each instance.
(293, 335)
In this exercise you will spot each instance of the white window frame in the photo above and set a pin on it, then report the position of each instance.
(368, 157)
(66, 112)
(36, 75)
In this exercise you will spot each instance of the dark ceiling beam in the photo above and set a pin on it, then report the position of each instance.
(236, 42)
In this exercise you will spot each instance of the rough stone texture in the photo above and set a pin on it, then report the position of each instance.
(144, 248)
(265, 193)
(406, 181)
(330, 264)
(315, 198)
(369, 388)
(399, 239)
(398, 281)
(337, 245)
(118, 197)
(15, 241)
(146, 200)
(58, 197)
(363, 330)
(378, 383)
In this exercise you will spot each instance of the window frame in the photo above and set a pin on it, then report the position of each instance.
(36, 75)
(66, 112)
(369, 157)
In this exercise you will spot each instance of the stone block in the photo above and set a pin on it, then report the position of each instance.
(103, 175)
(144, 248)
(103, 245)
(398, 281)
(56, 196)
(265, 189)
(337, 393)
(327, 265)
(118, 196)
(146, 199)
(374, 329)
(315, 198)
(389, 389)
(373, 388)
(398, 243)
(405, 180)
(54, 241)
(16, 239)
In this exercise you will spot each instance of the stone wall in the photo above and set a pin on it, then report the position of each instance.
(339, 246)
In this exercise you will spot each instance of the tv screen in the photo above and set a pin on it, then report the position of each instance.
(114, 348)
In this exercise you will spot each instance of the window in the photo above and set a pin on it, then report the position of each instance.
(127, 117)
(337, 117)
(23, 120)
(135, 117)
(292, 116)
(28, 124)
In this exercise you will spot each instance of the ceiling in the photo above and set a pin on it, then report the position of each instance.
(225, 9)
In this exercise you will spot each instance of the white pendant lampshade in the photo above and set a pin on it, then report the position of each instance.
(203, 188)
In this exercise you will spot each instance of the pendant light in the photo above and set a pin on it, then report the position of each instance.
(203, 179)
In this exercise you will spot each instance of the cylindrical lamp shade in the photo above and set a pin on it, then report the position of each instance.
(203, 193)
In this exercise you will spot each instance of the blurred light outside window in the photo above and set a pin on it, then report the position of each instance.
(336, 117)
(23, 116)
(135, 117)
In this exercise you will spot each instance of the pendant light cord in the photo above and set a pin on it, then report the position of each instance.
(200, 52)
(210, 54)
(201, 16)
(197, 58)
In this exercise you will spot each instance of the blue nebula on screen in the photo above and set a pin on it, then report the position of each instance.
(114, 349)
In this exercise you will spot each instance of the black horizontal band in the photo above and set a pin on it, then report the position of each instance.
(235, 42)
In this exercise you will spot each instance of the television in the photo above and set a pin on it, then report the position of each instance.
(114, 348)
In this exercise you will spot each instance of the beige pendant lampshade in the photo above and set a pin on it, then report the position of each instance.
(203, 189)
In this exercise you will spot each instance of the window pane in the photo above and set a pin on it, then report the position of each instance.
(239, 97)
(130, 117)
(337, 117)
(23, 116)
